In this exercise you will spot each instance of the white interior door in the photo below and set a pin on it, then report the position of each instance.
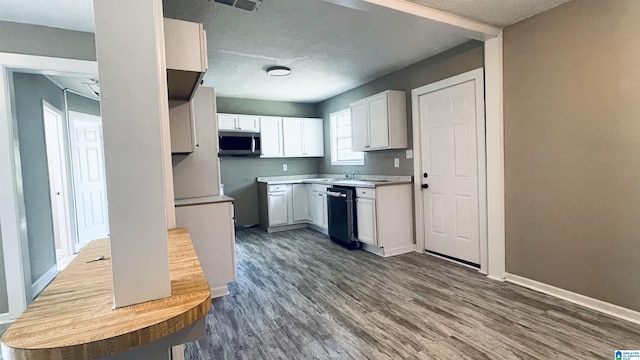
(450, 160)
(89, 177)
(56, 162)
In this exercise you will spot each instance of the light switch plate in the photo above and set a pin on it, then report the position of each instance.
(396, 162)
(284, 167)
(410, 154)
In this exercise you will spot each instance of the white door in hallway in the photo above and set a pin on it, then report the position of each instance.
(57, 165)
(450, 161)
(89, 177)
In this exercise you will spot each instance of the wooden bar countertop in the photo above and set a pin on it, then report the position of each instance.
(73, 318)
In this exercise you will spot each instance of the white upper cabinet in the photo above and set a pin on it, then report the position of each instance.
(359, 125)
(293, 137)
(380, 122)
(227, 122)
(313, 131)
(249, 123)
(233, 122)
(280, 136)
(271, 136)
(303, 137)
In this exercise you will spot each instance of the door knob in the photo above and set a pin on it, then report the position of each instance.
(425, 175)
(425, 186)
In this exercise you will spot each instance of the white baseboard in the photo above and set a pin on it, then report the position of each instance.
(319, 229)
(399, 250)
(6, 319)
(219, 292)
(579, 299)
(177, 352)
(44, 280)
(373, 249)
(274, 229)
(494, 277)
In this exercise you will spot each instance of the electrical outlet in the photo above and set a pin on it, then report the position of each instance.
(284, 167)
(396, 162)
(410, 154)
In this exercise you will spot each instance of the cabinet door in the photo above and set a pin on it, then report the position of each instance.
(313, 137)
(271, 137)
(359, 126)
(278, 208)
(181, 126)
(249, 123)
(300, 196)
(378, 121)
(227, 122)
(366, 213)
(292, 137)
(319, 211)
(325, 212)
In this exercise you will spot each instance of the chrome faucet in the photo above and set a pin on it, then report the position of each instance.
(346, 176)
(353, 175)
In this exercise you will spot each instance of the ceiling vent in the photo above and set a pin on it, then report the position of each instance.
(249, 5)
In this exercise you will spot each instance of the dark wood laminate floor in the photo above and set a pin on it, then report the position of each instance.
(299, 296)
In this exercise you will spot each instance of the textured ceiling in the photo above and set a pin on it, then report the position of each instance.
(78, 84)
(66, 14)
(496, 12)
(330, 48)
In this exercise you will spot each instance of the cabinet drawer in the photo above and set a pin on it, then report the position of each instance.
(319, 187)
(276, 188)
(368, 193)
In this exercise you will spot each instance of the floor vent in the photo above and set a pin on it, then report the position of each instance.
(249, 5)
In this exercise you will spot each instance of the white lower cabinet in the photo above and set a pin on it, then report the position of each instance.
(319, 214)
(300, 202)
(384, 213)
(290, 206)
(366, 218)
(385, 219)
(278, 208)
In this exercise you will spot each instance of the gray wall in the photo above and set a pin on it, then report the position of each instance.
(463, 58)
(30, 90)
(83, 104)
(41, 40)
(4, 300)
(572, 138)
(264, 107)
(239, 174)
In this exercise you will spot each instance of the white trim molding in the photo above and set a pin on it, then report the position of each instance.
(495, 157)
(13, 234)
(477, 76)
(219, 292)
(579, 299)
(471, 28)
(44, 280)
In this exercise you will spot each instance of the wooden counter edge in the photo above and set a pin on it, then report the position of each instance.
(122, 342)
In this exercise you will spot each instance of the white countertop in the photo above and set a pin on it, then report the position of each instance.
(370, 182)
(203, 200)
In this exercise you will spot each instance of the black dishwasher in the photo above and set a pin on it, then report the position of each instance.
(342, 215)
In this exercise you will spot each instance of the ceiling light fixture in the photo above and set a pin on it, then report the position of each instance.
(278, 71)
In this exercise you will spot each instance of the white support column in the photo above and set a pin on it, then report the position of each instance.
(495, 157)
(131, 64)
